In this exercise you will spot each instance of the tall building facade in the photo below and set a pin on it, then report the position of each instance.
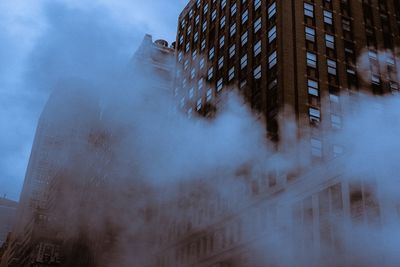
(7, 218)
(286, 57)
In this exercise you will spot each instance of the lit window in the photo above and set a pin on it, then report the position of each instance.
(232, 51)
(316, 147)
(245, 16)
(233, 9)
(331, 66)
(257, 48)
(311, 60)
(243, 61)
(313, 87)
(220, 62)
(222, 22)
(272, 10)
(310, 34)
(309, 10)
(328, 17)
(272, 60)
(330, 41)
(220, 84)
(232, 29)
(221, 41)
(257, 4)
(211, 53)
(210, 73)
(231, 73)
(272, 34)
(257, 25)
(244, 38)
(257, 72)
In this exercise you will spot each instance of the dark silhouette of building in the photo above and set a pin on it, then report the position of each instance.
(7, 216)
(71, 165)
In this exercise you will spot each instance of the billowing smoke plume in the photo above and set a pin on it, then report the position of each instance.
(135, 179)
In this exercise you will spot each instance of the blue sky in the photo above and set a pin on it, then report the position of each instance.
(43, 41)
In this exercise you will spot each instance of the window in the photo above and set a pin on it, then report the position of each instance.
(311, 60)
(209, 94)
(193, 73)
(194, 55)
(220, 84)
(328, 17)
(346, 25)
(330, 41)
(222, 22)
(272, 34)
(257, 48)
(187, 48)
(204, 26)
(257, 4)
(198, 106)
(180, 56)
(211, 53)
(243, 61)
(213, 15)
(197, 19)
(186, 64)
(310, 34)
(257, 72)
(220, 62)
(257, 25)
(315, 114)
(196, 36)
(232, 50)
(205, 8)
(337, 150)
(210, 73)
(272, 60)
(191, 93)
(232, 29)
(200, 84)
(202, 63)
(231, 73)
(331, 66)
(334, 98)
(336, 121)
(316, 147)
(233, 9)
(245, 16)
(313, 87)
(203, 44)
(181, 39)
(375, 79)
(309, 10)
(221, 41)
(223, 4)
(244, 38)
(272, 10)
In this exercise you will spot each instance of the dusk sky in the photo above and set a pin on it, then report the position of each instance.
(43, 41)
